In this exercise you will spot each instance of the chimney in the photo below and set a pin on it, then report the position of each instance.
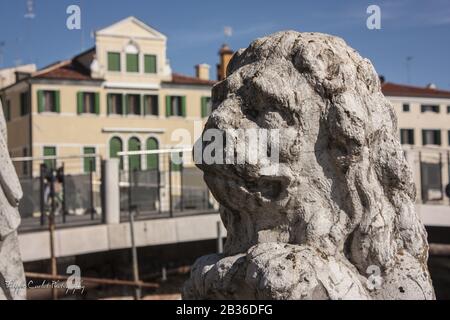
(202, 71)
(225, 54)
(382, 79)
(431, 86)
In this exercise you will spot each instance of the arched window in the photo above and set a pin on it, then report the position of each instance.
(116, 146)
(134, 162)
(152, 159)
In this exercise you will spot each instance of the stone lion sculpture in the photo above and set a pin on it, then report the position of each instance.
(12, 277)
(337, 220)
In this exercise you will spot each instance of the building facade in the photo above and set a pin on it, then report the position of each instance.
(424, 127)
(120, 95)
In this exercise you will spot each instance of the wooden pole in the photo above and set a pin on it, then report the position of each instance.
(116, 282)
(438, 249)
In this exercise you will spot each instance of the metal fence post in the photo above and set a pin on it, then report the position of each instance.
(422, 192)
(102, 189)
(181, 184)
(91, 185)
(64, 210)
(42, 193)
(170, 186)
(52, 227)
(158, 172)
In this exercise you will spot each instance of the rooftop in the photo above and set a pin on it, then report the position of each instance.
(400, 90)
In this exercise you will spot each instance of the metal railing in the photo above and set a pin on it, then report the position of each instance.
(431, 168)
(69, 188)
(154, 184)
(170, 186)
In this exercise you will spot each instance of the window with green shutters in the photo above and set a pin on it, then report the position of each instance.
(150, 63)
(24, 104)
(89, 162)
(49, 101)
(116, 146)
(133, 104)
(206, 106)
(134, 161)
(113, 61)
(50, 152)
(132, 62)
(88, 103)
(176, 106)
(152, 159)
(116, 103)
(151, 105)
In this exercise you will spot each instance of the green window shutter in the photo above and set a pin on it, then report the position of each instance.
(204, 107)
(150, 64)
(183, 106)
(50, 152)
(113, 61)
(115, 146)
(152, 159)
(132, 62)
(125, 104)
(168, 106)
(108, 98)
(57, 102)
(80, 102)
(135, 160)
(40, 94)
(144, 105)
(89, 162)
(97, 103)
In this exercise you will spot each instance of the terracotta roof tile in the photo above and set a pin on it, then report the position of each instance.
(400, 90)
(182, 79)
(67, 71)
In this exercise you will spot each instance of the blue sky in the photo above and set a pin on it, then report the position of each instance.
(416, 28)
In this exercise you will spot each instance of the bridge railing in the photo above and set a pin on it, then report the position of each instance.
(170, 185)
(430, 168)
(68, 187)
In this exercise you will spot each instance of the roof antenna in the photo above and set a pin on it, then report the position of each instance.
(408, 69)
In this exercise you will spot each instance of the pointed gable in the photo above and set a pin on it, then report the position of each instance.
(131, 26)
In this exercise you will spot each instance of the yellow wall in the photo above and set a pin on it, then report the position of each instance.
(70, 132)
(18, 126)
(415, 119)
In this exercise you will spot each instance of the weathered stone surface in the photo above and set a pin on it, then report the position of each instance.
(12, 277)
(342, 201)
